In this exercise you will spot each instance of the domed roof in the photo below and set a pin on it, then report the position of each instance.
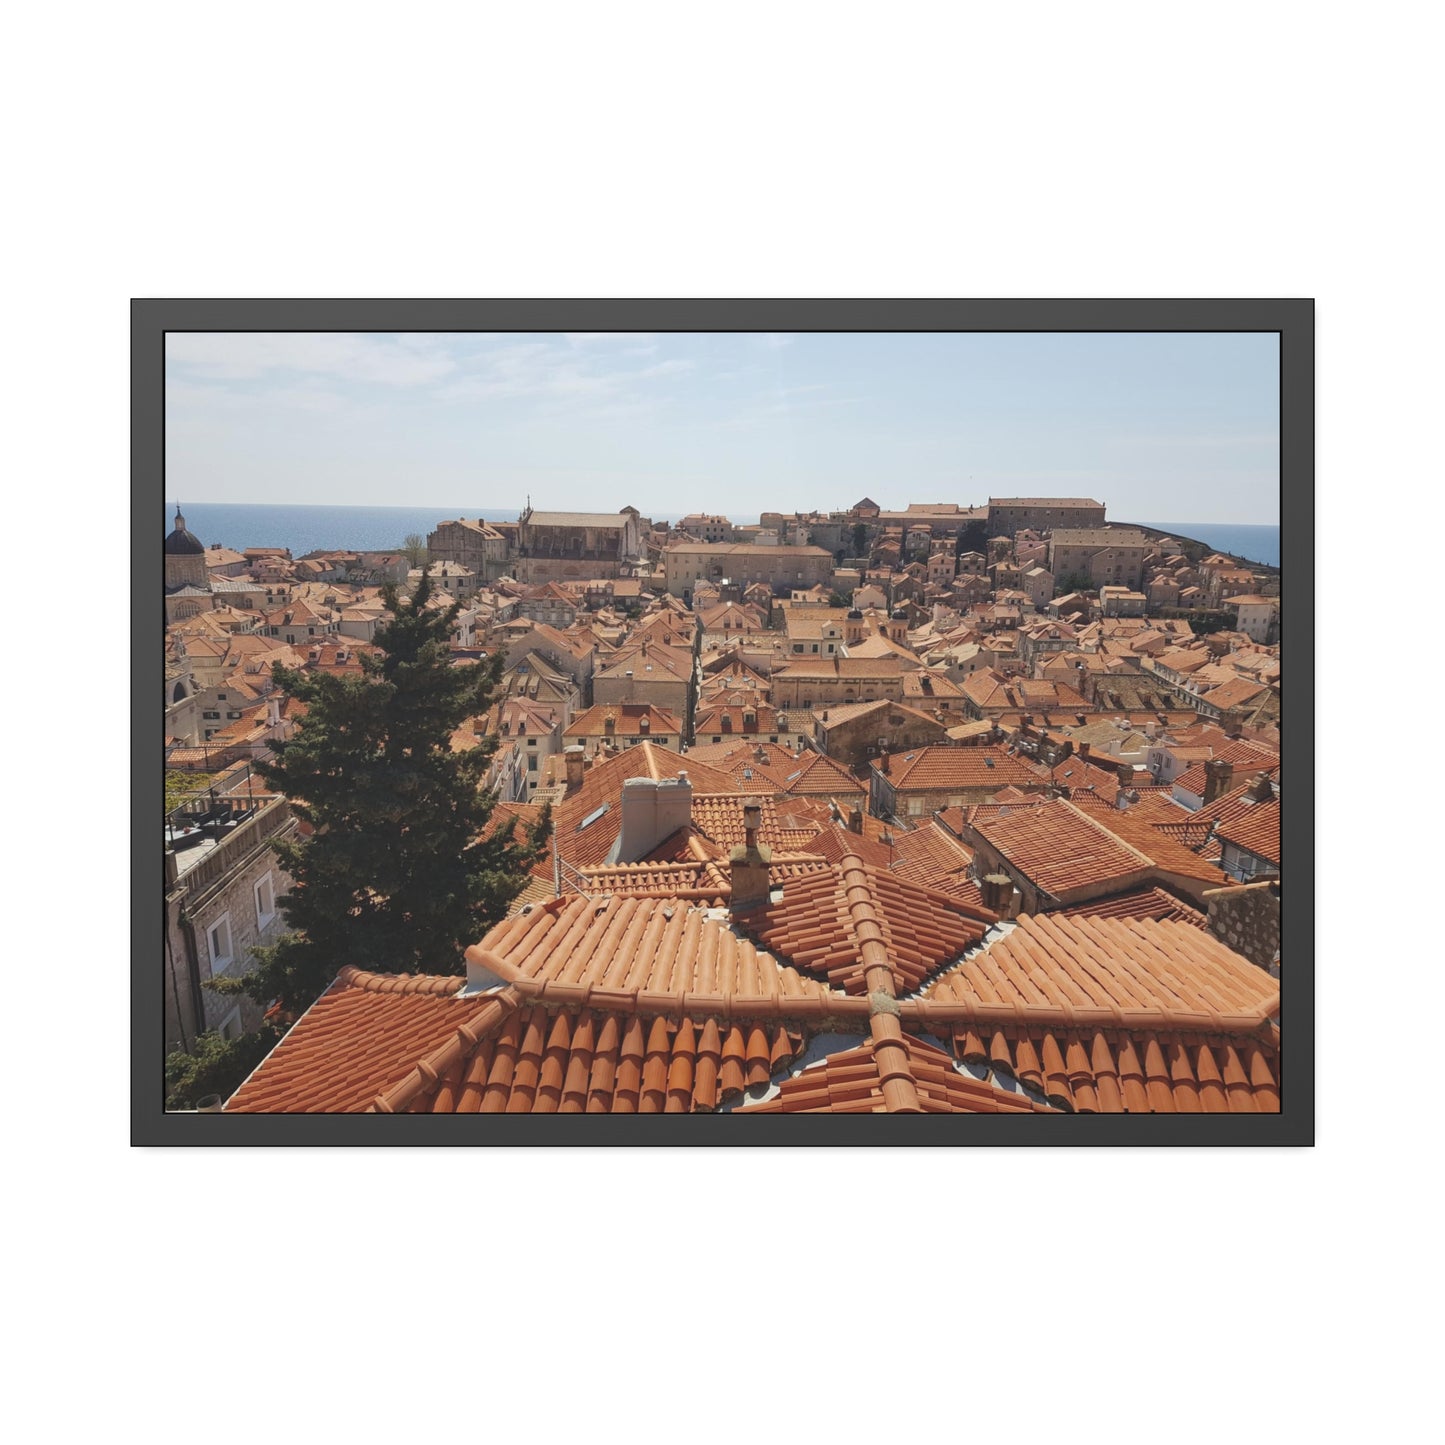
(182, 543)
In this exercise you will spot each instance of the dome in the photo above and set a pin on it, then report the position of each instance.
(182, 543)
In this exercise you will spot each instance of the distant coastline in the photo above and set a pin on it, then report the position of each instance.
(307, 528)
(1249, 542)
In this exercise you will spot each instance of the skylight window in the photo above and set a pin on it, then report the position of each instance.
(593, 816)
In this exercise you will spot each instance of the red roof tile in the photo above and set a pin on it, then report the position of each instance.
(942, 768)
(820, 919)
(1058, 848)
(1140, 903)
(851, 1082)
(1108, 1015)
(1256, 830)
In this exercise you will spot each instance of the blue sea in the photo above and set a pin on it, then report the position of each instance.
(1252, 542)
(314, 529)
(375, 529)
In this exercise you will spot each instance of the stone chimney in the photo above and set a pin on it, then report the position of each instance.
(1261, 789)
(748, 862)
(1125, 774)
(1218, 779)
(652, 809)
(609, 725)
(576, 760)
(1084, 750)
(855, 820)
(997, 890)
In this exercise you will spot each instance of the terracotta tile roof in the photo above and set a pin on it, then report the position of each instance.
(364, 1034)
(851, 1082)
(1139, 903)
(626, 719)
(1236, 692)
(703, 881)
(1167, 852)
(648, 954)
(926, 685)
(815, 775)
(818, 921)
(929, 855)
(584, 844)
(836, 843)
(878, 669)
(1114, 1015)
(719, 816)
(1255, 829)
(941, 768)
(1059, 848)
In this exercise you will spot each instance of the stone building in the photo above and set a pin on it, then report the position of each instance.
(576, 546)
(471, 544)
(852, 734)
(221, 891)
(744, 564)
(826, 681)
(1255, 617)
(1107, 556)
(706, 527)
(187, 578)
(1008, 515)
(925, 780)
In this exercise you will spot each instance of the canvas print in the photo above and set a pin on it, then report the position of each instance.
(722, 723)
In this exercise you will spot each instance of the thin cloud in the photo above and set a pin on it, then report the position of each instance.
(588, 338)
(341, 356)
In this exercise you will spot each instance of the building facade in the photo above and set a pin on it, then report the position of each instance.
(1007, 515)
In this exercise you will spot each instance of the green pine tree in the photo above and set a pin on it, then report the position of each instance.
(395, 875)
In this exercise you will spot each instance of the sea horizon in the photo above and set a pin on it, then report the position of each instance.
(309, 527)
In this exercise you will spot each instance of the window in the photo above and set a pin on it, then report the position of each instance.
(215, 715)
(265, 892)
(230, 1027)
(219, 937)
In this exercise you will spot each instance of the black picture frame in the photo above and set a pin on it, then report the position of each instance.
(1292, 319)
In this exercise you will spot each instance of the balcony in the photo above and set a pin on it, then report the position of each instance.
(213, 829)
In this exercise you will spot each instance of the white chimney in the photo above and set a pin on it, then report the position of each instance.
(652, 809)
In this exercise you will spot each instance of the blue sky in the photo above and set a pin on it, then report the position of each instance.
(1171, 427)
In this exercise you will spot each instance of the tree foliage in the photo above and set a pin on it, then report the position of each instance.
(414, 549)
(395, 873)
(215, 1066)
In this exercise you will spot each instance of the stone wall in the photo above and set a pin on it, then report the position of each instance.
(221, 886)
(1247, 919)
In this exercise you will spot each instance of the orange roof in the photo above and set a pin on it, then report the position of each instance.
(586, 844)
(929, 855)
(1115, 1015)
(1164, 850)
(817, 923)
(1059, 848)
(368, 1046)
(1256, 830)
(851, 1082)
(1140, 903)
(720, 817)
(651, 955)
(706, 881)
(626, 718)
(939, 767)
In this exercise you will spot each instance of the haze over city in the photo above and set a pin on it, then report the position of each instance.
(1173, 424)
